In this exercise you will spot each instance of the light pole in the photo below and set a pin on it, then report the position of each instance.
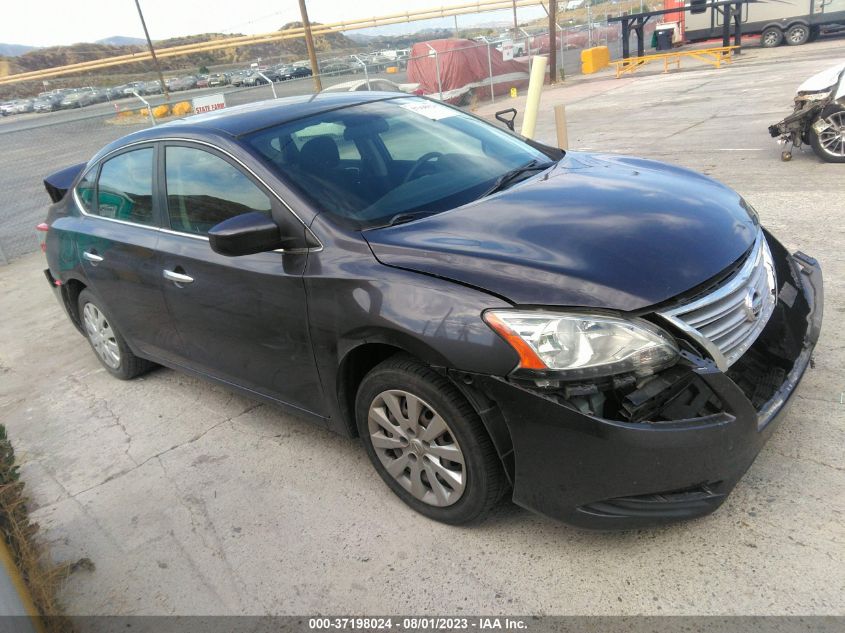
(153, 52)
(309, 44)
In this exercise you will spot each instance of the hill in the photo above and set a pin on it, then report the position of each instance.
(13, 50)
(285, 50)
(122, 40)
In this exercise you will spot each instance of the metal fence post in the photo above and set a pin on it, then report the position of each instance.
(267, 79)
(366, 74)
(490, 70)
(439, 82)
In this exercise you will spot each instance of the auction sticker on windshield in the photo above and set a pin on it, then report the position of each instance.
(429, 109)
(209, 103)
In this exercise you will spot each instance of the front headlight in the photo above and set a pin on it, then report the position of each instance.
(578, 346)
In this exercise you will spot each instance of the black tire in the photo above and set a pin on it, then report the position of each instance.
(485, 479)
(815, 142)
(797, 34)
(771, 37)
(128, 366)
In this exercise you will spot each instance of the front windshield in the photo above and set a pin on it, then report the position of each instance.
(368, 163)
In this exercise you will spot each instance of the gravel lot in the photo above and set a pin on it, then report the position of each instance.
(192, 500)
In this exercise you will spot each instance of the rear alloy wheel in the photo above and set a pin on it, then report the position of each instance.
(797, 34)
(771, 37)
(427, 443)
(829, 144)
(106, 341)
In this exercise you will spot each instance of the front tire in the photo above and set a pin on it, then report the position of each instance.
(771, 37)
(427, 442)
(830, 144)
(105, 339)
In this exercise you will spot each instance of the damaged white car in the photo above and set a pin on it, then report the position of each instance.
(818, 119)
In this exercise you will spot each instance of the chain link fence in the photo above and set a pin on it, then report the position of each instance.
(37, 144)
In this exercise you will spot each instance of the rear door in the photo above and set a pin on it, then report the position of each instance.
(116, 243)
(242, 319)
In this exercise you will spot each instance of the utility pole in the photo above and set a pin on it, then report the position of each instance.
(515, 25)
(553, 42)
(152, 52)
(309, 44)
(456, 26)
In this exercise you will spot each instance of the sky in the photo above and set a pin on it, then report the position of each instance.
(55, 22)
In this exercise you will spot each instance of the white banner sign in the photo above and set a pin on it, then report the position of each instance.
(209, 103)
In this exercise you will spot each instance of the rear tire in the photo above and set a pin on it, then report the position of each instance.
(433, 452)
(797, 34)
(105, 339)
(827, 146)
(771, 37)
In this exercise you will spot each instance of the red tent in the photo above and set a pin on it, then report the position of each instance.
(464, 70)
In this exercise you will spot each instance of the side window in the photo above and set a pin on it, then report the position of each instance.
(203, 190)
(85, 190)
(125, 187)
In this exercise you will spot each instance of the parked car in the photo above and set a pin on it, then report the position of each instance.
(611, 339)
(217, 79)
(237, 78)
(23, 106)
(818, 117)
(202, 81)
(77, 99)
(133, 88)
(254, 79)
(152, 87)
(7, 108)
(381, 85)
(295, 72)
(47, 103)
(117, 92)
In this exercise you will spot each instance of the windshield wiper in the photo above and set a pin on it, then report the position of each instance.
(509, 176)
(404, 216)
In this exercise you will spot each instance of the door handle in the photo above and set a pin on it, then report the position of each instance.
(177, 278)
(92, 257)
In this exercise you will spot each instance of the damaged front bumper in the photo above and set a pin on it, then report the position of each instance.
(595, 472)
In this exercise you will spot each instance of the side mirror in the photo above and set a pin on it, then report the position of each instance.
(501, 115)
(247, 234)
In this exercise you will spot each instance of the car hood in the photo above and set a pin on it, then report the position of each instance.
(594, 231)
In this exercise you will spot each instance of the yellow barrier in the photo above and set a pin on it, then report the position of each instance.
(713, 56)
(594, 59)
(392, 70)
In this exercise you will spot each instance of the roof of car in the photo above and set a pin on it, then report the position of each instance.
(243, 119)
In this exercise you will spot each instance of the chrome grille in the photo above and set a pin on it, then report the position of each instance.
(728, 320)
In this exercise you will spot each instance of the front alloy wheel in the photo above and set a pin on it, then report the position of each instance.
(827, 134)
(417, 447)
(427, 442)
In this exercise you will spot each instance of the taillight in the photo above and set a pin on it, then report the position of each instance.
(42, 235)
